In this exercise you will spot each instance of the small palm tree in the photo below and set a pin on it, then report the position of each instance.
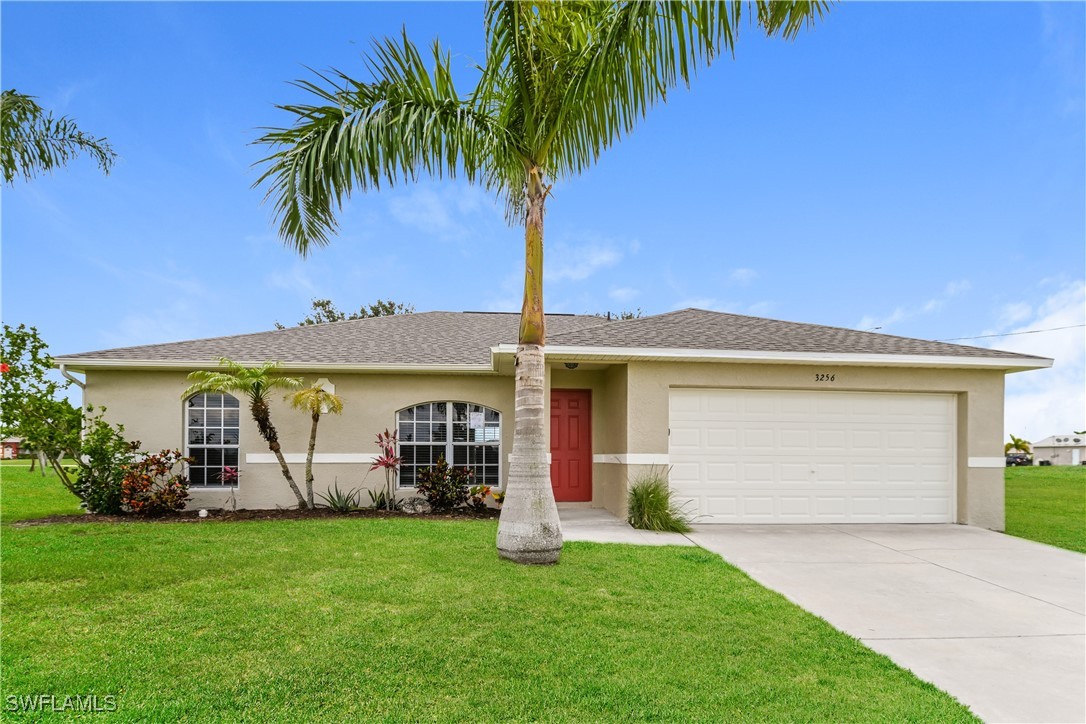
(1018, 444)
(256, 383)
(561, 83)
(316, 401)
(32, 140)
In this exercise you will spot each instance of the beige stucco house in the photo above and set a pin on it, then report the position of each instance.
(1067, 449)
(754, 420)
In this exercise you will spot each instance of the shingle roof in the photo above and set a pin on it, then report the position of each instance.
(701, 329)
(426, 338)
(466, 338)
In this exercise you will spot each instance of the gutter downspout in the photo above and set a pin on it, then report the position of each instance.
(68, 376)
(82, 389)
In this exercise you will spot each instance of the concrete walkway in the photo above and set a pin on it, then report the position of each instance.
(996, 621)
(599, 526)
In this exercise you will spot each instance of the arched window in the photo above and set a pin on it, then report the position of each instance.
(467, 435)
(212, 432)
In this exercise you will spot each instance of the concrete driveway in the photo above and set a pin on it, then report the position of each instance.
(996, 621)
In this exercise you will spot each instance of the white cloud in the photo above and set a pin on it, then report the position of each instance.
(178, 321)
(742, 277)
(577, 261)
(1040, 403)
(623, 294)
(1014, 313)
(447, 211)
(296, 279)
(902, 313)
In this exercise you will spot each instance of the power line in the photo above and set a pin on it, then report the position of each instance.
(1011, 334)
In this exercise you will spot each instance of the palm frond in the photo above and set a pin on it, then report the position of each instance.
(33, 141)
(257, 383)
(316, 400)
(406, 122)
(635, 53)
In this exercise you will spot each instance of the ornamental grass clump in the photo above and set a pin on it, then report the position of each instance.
(651, 508)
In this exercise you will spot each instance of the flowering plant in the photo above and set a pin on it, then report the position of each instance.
(477, 496)
(388, 461)
(229, 475)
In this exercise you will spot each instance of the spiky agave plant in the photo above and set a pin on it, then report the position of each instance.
(257, 384)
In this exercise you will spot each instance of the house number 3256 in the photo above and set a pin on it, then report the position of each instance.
(825, 377)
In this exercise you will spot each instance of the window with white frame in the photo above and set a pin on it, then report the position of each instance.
(465, 434)
(212, 433)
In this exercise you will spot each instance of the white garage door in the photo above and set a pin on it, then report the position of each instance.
(788, 456)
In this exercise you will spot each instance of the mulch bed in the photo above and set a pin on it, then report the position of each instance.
(192, 516)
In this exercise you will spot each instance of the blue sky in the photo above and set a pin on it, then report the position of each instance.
(915, 167)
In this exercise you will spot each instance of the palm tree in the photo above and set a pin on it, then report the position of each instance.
(1018, 444)
(32, 140)
(256, 383)
(560, 84)
(316, 401)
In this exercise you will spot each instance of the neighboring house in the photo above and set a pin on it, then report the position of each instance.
(1067, 449)
(9, 447)
(754, 420)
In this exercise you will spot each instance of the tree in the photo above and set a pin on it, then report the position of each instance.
(316, 401)
(325, 311)
(33, 141)
(622, 316)
(1018, 444)
(31, 408)
(560, 84)
(30, 404)
(256, 383)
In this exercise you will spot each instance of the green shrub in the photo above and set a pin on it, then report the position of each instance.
(341, 501)
(104, 456)
(651, 508)
(444, 487)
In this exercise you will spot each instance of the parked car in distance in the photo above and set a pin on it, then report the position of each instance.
(1017, 459)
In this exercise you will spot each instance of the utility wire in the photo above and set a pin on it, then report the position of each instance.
(1011, 334)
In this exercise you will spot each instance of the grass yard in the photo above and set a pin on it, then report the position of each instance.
(25, 494)
(1048, 504)
(406, 620)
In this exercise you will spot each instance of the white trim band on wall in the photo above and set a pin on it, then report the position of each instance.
(633, 458)
(987, 462)
(268, 458)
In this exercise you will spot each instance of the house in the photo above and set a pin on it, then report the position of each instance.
(754, 420)
(9, 447)
(1068, 449)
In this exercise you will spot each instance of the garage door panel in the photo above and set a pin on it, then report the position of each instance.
(827, 456)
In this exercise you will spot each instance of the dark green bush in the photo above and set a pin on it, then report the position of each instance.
(650, 506)
(104, 457)
(444, 487)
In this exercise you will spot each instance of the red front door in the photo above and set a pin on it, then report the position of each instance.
(571, 445)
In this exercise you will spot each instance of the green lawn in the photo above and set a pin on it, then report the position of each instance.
(25, 494)
(406, 620)
(1048, 504)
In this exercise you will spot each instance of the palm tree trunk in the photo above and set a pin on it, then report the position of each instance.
(309, 458)
(529, 530)
(262, 417)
